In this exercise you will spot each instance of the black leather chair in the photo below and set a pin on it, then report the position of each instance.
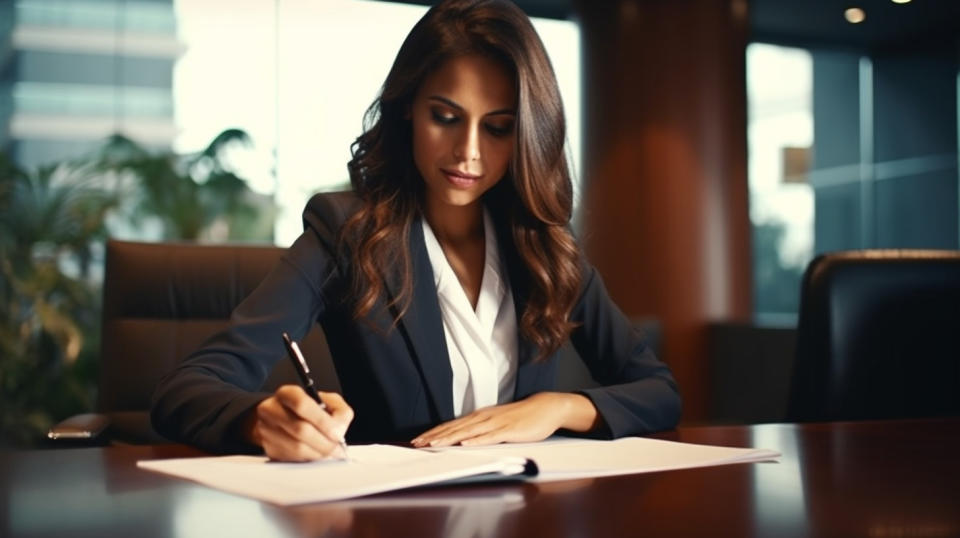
(877, 336)
(160, 302)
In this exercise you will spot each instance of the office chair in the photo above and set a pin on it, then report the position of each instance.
(877, 337)
(160, 302)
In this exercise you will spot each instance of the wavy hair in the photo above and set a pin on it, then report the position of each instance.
(535, 198)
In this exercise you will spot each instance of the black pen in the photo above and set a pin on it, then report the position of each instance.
(303, 372)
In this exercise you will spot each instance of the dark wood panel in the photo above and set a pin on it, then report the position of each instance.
(665, 216)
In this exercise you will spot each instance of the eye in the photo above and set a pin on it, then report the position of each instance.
(499, 130)
(443, 119)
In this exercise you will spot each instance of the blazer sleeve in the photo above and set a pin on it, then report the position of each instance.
(638, 393)
(204, 400)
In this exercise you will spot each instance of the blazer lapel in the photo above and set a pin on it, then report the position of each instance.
(424, 327)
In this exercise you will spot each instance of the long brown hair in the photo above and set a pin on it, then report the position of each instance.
(535, 196)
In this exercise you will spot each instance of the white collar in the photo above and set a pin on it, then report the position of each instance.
(492, 286)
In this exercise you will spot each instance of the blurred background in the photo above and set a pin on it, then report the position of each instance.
(717, 147)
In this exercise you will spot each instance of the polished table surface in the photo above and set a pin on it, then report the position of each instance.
(878, 479)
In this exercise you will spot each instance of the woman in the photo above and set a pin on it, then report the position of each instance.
(444, 282)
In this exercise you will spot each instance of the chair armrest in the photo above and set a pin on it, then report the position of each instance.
(87, 426)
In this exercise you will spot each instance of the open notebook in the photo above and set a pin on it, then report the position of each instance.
(378, 468)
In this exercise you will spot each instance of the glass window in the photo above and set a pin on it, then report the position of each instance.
(780, 140)
(847, 151)
(83, 99)
(85, 14)
(298, 77)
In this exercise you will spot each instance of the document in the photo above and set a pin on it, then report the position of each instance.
(370, 469)
(560, 458)
(378, 468)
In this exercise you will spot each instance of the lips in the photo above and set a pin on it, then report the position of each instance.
(461, 179)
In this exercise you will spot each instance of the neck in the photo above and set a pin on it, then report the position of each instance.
(455, 224)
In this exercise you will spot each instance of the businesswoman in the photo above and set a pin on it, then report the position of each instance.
(445, 281)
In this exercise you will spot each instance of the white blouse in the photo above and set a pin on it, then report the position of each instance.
(482, 343)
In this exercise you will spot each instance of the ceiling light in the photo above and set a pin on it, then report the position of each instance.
(855, 15)
(901, 1)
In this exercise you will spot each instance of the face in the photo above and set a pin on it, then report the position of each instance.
(463, 129)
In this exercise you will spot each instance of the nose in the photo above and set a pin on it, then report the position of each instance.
(467, 147)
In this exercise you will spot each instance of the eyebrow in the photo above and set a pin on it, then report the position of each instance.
(453, 104)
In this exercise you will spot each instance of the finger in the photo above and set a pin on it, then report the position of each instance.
(338, 409)
(307, 433)
(465, 431)
(424, 438)
(479, 415)
(499, 435)
(279, 417)
(273, 412)
(280, 446)
(295, 399)
(442, 430)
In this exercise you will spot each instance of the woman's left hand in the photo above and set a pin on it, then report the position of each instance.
(532, 419)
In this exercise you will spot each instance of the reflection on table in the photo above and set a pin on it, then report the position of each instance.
(893, 478)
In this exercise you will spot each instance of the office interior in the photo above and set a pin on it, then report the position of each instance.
(668, 134)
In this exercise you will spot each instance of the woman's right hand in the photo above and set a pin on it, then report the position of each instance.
(291, 426)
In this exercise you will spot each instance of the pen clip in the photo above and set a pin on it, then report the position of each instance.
(299, 355)
(299, 363)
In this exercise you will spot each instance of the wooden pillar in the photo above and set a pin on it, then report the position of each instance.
(665, 216)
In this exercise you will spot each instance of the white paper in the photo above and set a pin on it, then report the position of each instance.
(378, 468)
(566, 458)
(370, 469)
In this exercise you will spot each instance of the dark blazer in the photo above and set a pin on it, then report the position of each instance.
(398, 380)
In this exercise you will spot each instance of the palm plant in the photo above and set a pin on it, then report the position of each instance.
(189, 193)
(52, 230)
(49, 221)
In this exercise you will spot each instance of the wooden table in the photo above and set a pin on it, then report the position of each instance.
(879, 479)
